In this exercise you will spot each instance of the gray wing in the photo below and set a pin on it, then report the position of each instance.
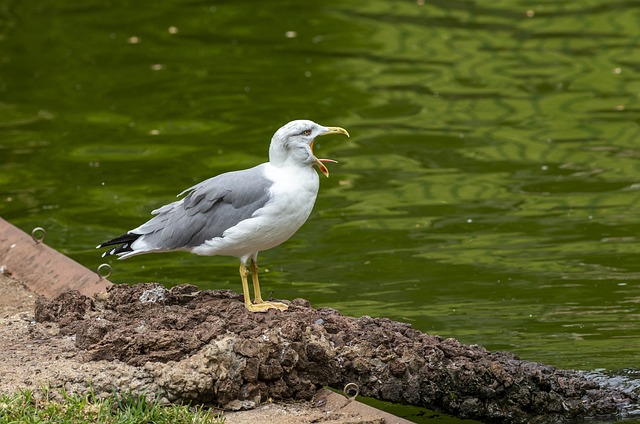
(209, 208)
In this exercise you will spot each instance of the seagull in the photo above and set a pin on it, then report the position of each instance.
(240, 213)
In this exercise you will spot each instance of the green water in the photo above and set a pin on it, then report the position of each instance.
(490, 190)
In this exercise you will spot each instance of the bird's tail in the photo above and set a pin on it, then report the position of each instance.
(125, 241)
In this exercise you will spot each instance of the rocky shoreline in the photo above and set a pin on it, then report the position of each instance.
(204, 346)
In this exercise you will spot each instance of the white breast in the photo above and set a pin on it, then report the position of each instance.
(293, 195)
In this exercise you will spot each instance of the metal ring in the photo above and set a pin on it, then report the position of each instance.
(38, 230)
(101, 267)
(348, 387)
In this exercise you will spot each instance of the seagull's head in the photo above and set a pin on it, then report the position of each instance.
(293, 144)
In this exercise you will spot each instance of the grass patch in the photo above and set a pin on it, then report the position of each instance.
(24, 407)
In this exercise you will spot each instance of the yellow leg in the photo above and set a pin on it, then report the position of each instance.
(245, 286)
(256, 282)
(260, 305)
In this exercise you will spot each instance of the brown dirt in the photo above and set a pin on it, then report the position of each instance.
(15, 297)
(37, 355)
(204, 346)
(188, 345)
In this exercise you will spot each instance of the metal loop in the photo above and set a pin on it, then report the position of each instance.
(100, 270)
(350, 387)
(38, 230)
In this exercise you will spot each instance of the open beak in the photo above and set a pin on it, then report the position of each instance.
(319, 162)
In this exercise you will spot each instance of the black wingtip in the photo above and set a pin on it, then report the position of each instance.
(124, 240)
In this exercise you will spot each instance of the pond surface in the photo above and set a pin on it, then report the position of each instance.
(490, 190)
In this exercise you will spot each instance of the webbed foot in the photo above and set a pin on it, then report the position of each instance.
(265, 306)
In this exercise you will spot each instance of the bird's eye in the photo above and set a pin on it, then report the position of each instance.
(306, 132)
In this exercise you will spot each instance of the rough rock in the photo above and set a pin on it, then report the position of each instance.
(204, 346)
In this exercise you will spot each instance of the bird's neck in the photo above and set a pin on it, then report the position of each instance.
(280, 158)
(277, 156)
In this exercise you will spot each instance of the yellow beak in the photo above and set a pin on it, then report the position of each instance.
(318, 162)
(336, 130)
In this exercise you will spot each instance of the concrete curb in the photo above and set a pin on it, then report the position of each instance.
(335, 402)
(42, 269)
